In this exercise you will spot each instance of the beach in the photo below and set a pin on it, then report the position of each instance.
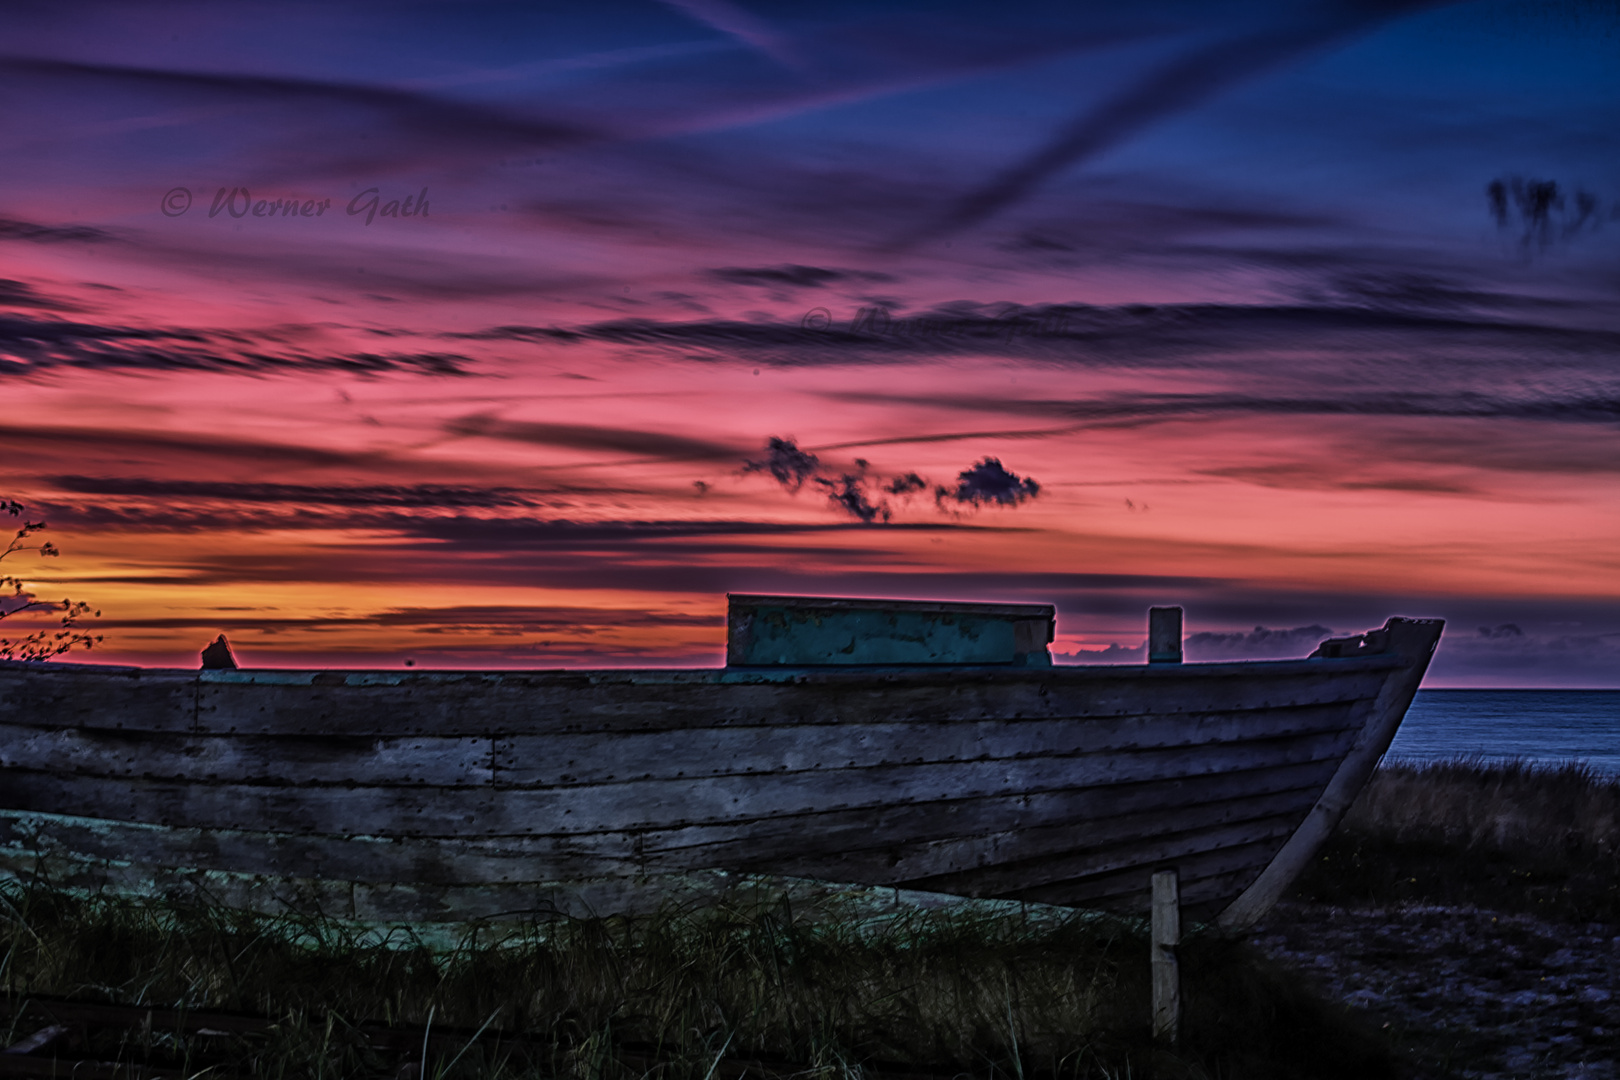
(1471, 913)
(1482, 993)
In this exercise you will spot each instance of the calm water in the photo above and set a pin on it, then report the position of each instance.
(1537, 725)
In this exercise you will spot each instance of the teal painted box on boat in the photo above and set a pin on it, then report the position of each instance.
(810, 631)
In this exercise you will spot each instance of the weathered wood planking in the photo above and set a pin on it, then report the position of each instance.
(415, 791)
(1214, 882)
(422, 810)
(1038, 877)
(1086, 824)
(1036, 855)
(1205, 872)
(451, 860)
(837, 833)
(407, 902)
(445, 704)
(576, 760)
(839, 837)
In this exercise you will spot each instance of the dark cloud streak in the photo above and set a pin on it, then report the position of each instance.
(21, 294)
(1185, 82)
(651, 444)
(60, 442)
(13, 229)
(1423, 312)
(422, 496)
(793, 276)
(1138, 409)
(29, 346)
(458, 619)
(412, 115)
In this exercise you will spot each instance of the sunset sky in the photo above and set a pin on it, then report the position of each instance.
(488, 335)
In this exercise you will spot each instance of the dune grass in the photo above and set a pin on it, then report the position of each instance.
(703, 994)
(1511, 836)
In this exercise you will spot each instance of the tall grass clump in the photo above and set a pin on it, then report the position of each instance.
(1513, 835)
(700, 993)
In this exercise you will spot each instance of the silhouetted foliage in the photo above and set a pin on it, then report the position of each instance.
(41, 644)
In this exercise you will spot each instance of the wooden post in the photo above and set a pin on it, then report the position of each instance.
(1164, 635)
(1166, 973)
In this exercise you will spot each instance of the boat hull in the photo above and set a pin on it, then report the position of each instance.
(445, 796)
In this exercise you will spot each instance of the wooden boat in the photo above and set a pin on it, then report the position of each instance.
(932, 747)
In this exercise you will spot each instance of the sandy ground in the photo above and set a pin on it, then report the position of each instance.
(1475, 993)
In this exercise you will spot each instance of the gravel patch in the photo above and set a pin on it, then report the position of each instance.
(1475, 993)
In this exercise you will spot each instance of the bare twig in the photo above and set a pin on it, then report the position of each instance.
(41, 644)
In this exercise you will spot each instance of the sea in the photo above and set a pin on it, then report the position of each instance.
(1538, 726)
